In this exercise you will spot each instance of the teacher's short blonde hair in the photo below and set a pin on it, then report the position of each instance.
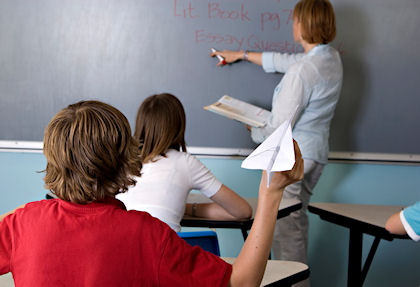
(317, 20)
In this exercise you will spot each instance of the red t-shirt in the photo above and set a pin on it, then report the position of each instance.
(57, 243)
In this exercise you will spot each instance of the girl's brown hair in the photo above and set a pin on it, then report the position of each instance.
(90, 153)
(317, 20)
(160, 125)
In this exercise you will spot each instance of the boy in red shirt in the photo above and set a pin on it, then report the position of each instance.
(87, 238)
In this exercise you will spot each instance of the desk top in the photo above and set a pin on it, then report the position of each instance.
(279, 270)
(6, 280)
(286, 207)
(371, 218)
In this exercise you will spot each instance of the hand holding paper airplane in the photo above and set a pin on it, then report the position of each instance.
(276, 153)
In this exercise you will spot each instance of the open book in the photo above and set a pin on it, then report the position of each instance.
(240, 111)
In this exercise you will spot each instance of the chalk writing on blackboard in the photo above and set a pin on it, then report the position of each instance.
(238, 12)
(219, 11)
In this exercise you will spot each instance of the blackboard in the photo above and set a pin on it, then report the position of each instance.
(54, 53)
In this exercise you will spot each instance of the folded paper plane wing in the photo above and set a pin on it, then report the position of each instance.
(276, 153)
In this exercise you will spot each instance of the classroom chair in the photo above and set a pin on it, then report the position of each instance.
(205, 239)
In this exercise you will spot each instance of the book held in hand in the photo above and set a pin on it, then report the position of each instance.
(240, 111)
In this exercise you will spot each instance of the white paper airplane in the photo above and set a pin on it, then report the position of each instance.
(276, 153)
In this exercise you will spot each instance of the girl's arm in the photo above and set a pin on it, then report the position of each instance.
(227, 205)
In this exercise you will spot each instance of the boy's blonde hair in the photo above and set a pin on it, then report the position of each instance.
(90, 153)
(160, 125)
(317, 20)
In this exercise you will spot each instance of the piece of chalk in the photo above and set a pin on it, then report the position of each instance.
(220, 58)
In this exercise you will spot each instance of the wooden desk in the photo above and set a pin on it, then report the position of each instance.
(359, 218)
(286, 207)
(281, 273)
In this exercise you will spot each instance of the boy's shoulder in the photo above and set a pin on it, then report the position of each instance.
(42, 202)
(34, 205)
(111, 212)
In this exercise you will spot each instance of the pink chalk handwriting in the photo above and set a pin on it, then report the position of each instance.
(290, 17)
(215, 11)
(274, 19)
(184, 11)
(202, 36)
(255, 43)
(251, 42)
(218, 10)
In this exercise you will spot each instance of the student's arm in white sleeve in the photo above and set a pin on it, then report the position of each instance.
(227, 204)
(248, 269)
(289, 101)
(406, 222)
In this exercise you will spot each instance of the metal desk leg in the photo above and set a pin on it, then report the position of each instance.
(244, 233)
(354, 278)
(370, 258)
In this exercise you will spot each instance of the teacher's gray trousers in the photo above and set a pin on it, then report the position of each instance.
(290, 240)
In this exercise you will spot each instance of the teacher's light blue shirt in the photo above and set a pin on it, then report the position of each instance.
(311, 86)
(410, 218)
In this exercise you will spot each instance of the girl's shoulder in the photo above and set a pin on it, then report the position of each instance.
(180, 155)
(190, 160)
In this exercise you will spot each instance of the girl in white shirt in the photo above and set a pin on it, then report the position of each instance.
(169, 173)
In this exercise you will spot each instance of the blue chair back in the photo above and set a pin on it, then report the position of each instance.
(205, 239)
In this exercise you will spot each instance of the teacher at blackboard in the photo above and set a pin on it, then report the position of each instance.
(311, 85)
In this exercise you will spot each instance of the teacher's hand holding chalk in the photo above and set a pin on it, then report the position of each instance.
(221, 59)
(234, 56)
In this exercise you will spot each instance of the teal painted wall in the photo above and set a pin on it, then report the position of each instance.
(20, 179)
(395, 263)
